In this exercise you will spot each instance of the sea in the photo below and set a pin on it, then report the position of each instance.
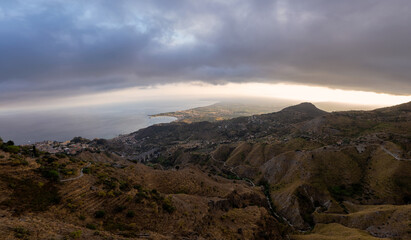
(108, 121)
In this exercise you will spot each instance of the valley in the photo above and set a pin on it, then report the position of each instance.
(299, 173)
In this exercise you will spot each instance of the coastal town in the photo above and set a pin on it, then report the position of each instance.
(71, 147)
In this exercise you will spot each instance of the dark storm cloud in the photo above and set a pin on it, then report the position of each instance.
(54, 47)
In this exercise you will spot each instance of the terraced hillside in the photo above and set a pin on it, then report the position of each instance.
(117, 199)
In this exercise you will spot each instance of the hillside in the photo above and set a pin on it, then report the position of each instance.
(300, 173)
(212, 133)
(41, 198)
(309, 160)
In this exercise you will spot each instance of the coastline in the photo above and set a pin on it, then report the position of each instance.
(161, 118)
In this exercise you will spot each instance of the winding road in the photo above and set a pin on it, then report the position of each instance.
(394, 155)
(79, 176)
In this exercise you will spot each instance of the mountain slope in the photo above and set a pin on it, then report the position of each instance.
(270, 176)
(117, 199)
(310, 160)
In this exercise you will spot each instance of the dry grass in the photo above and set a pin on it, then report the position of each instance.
(335, 231)
(199, 201)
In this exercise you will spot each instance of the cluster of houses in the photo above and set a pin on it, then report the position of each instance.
(67, 147)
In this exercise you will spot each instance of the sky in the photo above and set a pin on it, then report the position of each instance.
(57, 53)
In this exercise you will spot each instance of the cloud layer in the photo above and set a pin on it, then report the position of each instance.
(57, 47)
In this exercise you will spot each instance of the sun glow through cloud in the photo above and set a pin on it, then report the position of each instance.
(197, 90)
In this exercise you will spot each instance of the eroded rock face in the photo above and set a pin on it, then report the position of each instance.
(287, 206)
(238, 200)
(241, 200)
(222, 204)
(279, 168)
(298, 203)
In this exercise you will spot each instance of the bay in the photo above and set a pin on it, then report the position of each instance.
(106, 121)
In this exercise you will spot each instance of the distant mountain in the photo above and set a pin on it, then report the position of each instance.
(307, 108)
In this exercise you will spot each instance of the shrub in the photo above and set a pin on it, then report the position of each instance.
(12, 149)
(110, 183)
(138, 187)
(140, 196)
(71, 206)
(130, 214)
(79, 140)
(100, 214)
(119, 209)
(76, 234)
(110, 193)
(50, 159)
(168, 205)
(67, 171)
(342, 191)
(29, 195)
(102, 193)
(60, 155)
(51, 174)
(20, 232)
(125, 186)
(91, 226)
(101, 141)
(156, 195)
(17, 162)
(112, 225)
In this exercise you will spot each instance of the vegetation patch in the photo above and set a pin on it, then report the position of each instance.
(29, 195)
(116, 225)
(21, 233)
(100, 214)
(76, 234)
(168, 205)
(18, 160)
(403, 184)
(87, 170)
(50, 174)
(91, 226)
(130, 214)
(343, 191)
(154, 196)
